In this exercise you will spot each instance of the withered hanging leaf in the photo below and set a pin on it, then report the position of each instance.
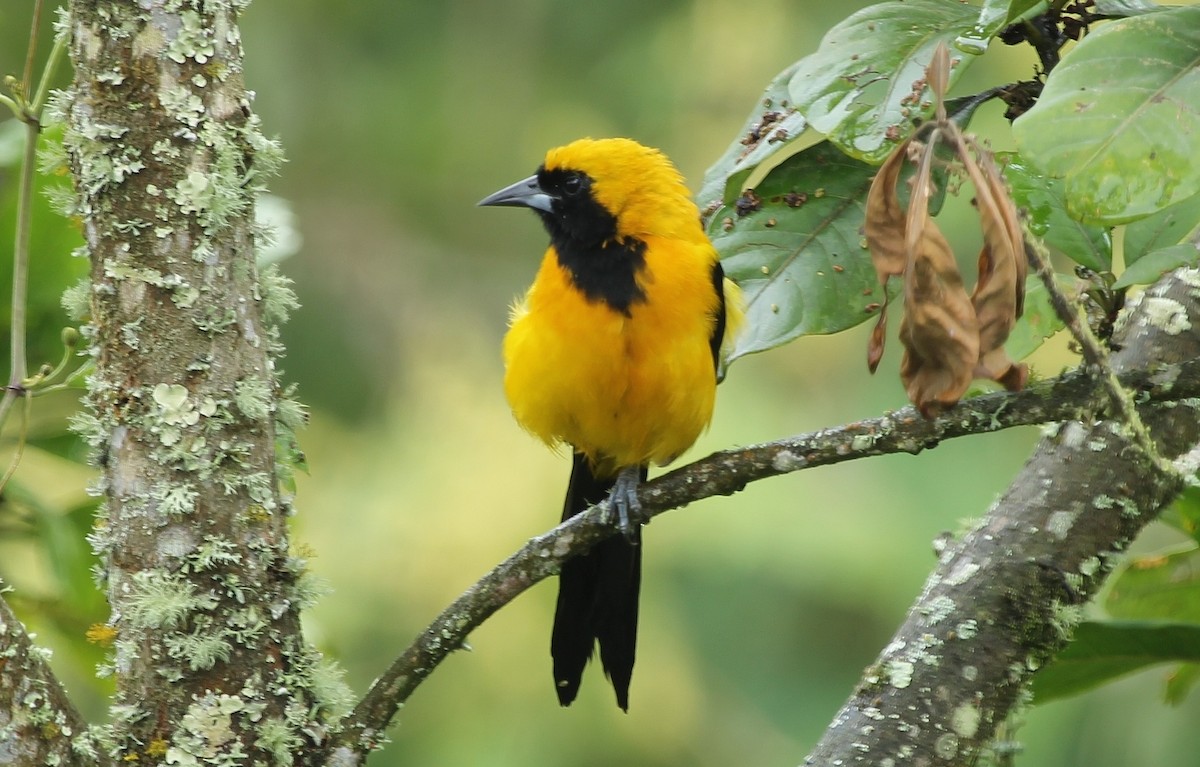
(999, 296)
(884, 227)
(995, 313)
(949, 337)
(939, 331)
(878, 338)
(937, 74)
(884, 224)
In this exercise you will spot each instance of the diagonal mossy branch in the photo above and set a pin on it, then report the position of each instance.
(1003, 600)
(1066, 398)
(38, 722)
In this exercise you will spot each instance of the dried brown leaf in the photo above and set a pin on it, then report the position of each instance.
(884, 223)
(939, 331)
(878, 337)
(949, 337)
(937, 74)
(884, 230)
(999, 294)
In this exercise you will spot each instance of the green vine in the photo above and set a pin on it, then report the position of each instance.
(28, 109)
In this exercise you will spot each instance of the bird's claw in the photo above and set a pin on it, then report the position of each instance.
(623, 500)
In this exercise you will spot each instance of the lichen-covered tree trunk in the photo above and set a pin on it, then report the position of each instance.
(168, 157)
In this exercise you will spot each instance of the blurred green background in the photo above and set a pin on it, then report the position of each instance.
(760, 610)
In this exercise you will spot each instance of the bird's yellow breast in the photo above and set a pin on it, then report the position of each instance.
(623, 389)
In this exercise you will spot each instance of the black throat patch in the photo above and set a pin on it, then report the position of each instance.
(584, 235)
(605, 271)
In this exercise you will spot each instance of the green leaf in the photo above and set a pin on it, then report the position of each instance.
(1167, 227)
(1119, 118)
(1184, 513)
(800, 258)
(1122, 8)
(995, 16)
(1039, 321)
(1181, 682)
(1163, 586)
(755, 142)
(865, 85)
(1042, 200)
(1157, 263)
(1104, 651)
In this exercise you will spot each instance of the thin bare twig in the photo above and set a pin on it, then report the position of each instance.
(1094, 354)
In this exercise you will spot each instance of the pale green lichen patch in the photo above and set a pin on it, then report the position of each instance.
(946, 746)
(278, 298)
(212, 553)
(200, 649)
(252, 396)
(1090, 566)
(193, 194)
(206, 734)
(967, 629)
(193, 40)
(157, 600)
(860, 442)
(964, 720)
(899, 673)
(279, 739)
(1060, 522)
(963, 571)
(938, 609)
(786, 460)
(1166, 314)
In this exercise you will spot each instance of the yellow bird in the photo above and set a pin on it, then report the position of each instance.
(615, 352)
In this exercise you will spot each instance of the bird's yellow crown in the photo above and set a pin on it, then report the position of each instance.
(635, 183)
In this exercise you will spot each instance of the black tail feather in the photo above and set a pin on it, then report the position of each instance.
(597, 598)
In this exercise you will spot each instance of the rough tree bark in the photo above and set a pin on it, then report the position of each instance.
(185, 409)
(1002, 600)
(168, 159)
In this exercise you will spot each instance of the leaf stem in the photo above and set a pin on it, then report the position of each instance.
(29, 112)
(20, 451)
(31, 50)
(1095, 355)
(13, 106)
(39, 99)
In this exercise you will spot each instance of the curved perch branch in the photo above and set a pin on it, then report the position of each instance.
(1065, 398)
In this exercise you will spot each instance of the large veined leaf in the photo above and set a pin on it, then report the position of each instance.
(995, 16)
(1102, 651)
(1119, 118)
(1160, 243)
(865, 85)
(771, 126)
(1118, 8)
(1162, 586)
(1045, 207)
(796, 249)
(1169, 226)
(1184, 513)
(1157, 263)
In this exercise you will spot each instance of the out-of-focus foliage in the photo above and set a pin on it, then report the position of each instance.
(759, 611)
(1130, 94)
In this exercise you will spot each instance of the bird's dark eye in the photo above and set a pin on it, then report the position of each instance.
(572, 185)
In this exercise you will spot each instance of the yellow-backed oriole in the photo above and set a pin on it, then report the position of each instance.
(614, 351)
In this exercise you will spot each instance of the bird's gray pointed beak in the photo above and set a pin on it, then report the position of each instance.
(525, 192)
